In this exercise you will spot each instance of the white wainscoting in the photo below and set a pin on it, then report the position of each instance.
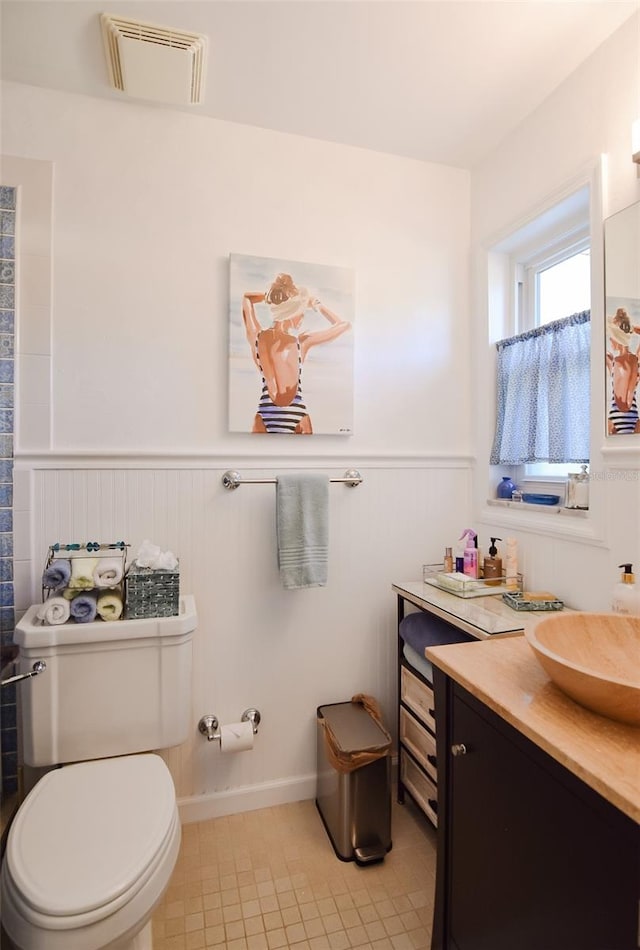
(284, 652)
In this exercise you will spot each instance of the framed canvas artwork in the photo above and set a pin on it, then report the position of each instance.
(622, 321)
(290, 347)
(623, 345)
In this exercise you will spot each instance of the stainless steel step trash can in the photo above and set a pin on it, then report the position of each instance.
(354, 805)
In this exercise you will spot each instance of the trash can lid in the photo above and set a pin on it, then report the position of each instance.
(353, 728)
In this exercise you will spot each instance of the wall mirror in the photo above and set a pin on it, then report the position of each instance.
(622, 320)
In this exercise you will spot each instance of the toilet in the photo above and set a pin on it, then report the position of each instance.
(93, 845)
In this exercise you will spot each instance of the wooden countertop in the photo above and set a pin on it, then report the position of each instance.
(505, 675)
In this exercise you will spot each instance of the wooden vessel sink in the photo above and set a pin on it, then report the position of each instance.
(594, 659)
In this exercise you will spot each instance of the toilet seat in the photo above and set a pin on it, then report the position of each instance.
(89, 853)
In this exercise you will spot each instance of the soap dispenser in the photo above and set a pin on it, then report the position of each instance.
(626, 595)
(493, 563)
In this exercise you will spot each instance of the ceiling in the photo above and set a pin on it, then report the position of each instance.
(436, 80)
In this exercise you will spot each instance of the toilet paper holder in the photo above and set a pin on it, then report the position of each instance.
(209, 726)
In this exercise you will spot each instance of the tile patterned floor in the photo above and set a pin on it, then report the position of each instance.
(270, 879)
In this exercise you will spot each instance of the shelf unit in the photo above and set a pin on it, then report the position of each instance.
(417, 722)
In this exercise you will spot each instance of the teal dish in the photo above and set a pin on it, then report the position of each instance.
(533, 499)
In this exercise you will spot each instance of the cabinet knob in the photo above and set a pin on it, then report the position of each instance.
(459, 748)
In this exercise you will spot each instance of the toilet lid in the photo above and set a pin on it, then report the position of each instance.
(86, 833)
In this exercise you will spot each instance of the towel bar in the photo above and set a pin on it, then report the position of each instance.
(231, 480)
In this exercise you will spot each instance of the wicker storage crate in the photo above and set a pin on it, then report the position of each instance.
(152, 593)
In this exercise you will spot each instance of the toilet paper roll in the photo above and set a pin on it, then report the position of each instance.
(236, 737)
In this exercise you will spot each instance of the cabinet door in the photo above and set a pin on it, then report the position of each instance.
(535, 860)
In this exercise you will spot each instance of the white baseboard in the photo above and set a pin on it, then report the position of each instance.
(219, 804)
(250, 798)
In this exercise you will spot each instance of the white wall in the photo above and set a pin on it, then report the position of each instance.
(584, 124)
(148, 204)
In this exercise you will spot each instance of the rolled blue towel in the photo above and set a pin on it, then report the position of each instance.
(57, 574)
(83, 608)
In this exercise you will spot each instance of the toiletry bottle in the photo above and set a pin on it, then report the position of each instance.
(470, 567)
(493, 564)
(626, 594)
(512, 564)
(459, 563)
(448, 561)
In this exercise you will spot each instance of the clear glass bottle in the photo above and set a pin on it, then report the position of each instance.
(578, 489)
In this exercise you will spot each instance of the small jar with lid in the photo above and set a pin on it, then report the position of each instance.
(578, 489)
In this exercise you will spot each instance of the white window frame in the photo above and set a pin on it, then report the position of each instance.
(491, 265)
(528, 272)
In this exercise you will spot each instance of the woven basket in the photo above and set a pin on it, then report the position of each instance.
(152, 593)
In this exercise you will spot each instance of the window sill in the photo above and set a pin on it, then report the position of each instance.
(573, 524)
(540, 509)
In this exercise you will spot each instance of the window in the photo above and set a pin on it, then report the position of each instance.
(564, 287)
(548, 266)
(558, 285)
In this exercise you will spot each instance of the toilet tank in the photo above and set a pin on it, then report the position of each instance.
(110, 687)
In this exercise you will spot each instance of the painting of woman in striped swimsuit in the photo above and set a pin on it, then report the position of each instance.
(622, 363)
(279, 352)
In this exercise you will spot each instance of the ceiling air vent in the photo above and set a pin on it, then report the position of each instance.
(154, 62)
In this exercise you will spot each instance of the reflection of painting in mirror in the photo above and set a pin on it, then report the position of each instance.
(622, 320)
(290, 347)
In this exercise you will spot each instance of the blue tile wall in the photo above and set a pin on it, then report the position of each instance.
(8, 711)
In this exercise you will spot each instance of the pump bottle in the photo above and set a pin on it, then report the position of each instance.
(626, 594)
(470, 567)
(493, 564)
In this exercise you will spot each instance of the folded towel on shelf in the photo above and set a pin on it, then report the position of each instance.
(55, 610)
(302, 518)
(107, 572)
(109, 606)
(83, 608)
(82, 569)
(56, 575)
(421, 630)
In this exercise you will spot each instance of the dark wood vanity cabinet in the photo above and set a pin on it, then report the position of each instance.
(529, 857)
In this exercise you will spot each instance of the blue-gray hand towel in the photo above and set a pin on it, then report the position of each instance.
(302, 516)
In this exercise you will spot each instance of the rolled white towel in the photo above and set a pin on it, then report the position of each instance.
(82, 569)
(110, 606)
(107, 572)
(55, 610)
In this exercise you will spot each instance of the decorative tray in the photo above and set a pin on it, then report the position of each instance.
(460, 585)
(524, 601)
